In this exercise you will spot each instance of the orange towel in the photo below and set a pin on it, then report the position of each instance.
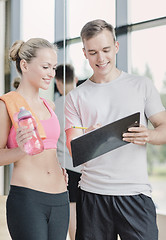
(14, 101)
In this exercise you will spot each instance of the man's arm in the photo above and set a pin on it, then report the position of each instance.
(72, 133)
(142, 135)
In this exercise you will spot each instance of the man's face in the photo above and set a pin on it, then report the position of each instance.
(101, 52)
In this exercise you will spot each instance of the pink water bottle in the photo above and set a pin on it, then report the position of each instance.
(35, 144)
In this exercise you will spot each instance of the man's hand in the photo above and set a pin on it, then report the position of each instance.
(137, 135)
(93, 127)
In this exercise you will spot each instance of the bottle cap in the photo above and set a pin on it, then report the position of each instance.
(23, 113)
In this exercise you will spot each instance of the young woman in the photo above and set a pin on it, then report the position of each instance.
(37, 205)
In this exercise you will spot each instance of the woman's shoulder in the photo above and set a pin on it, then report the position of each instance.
(2, 105)
(49, 103)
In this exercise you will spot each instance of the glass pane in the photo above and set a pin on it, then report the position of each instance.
(143, 10)
(38, 19)
(148, 58)
(76, 57)
(80, 12)
(148, 50)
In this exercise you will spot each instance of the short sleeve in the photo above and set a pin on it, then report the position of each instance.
(72, 117)
(153, 103)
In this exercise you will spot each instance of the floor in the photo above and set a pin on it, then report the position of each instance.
(4, 234)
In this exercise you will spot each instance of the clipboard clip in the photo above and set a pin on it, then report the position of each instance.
(135, 124)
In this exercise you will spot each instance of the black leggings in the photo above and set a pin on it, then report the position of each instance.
(34, 215)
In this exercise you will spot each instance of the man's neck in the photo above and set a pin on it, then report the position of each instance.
(104, 79)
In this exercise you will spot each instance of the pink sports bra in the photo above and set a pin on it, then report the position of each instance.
(51, 127)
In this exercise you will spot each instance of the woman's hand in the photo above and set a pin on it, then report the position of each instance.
(65, 176)
(23, 134)
(137, 135)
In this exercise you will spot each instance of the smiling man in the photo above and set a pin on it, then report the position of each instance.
(115, 193)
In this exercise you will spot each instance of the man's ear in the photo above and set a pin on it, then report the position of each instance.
(117, 46)
(84, 52)
(23, 65)
(76, 80)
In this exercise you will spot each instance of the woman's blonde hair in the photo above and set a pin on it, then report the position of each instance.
(28, 50)
(16, 82)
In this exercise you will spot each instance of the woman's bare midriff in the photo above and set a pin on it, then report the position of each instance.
(41, 172)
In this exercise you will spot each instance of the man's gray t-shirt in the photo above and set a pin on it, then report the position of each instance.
(122, 171)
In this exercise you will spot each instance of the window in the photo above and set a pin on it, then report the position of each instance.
(38, 19)
(80, 12)
(147, 48)
(148, 58)
(88, 10)
(78, 60)
(145, 10)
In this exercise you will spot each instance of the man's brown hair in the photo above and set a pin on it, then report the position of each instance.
(93, 28)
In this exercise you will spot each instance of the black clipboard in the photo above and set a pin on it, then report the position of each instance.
(102, 140)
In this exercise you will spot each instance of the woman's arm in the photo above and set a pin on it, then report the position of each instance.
(7, 156)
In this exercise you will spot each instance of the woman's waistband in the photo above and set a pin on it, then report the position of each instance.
(53, 199)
